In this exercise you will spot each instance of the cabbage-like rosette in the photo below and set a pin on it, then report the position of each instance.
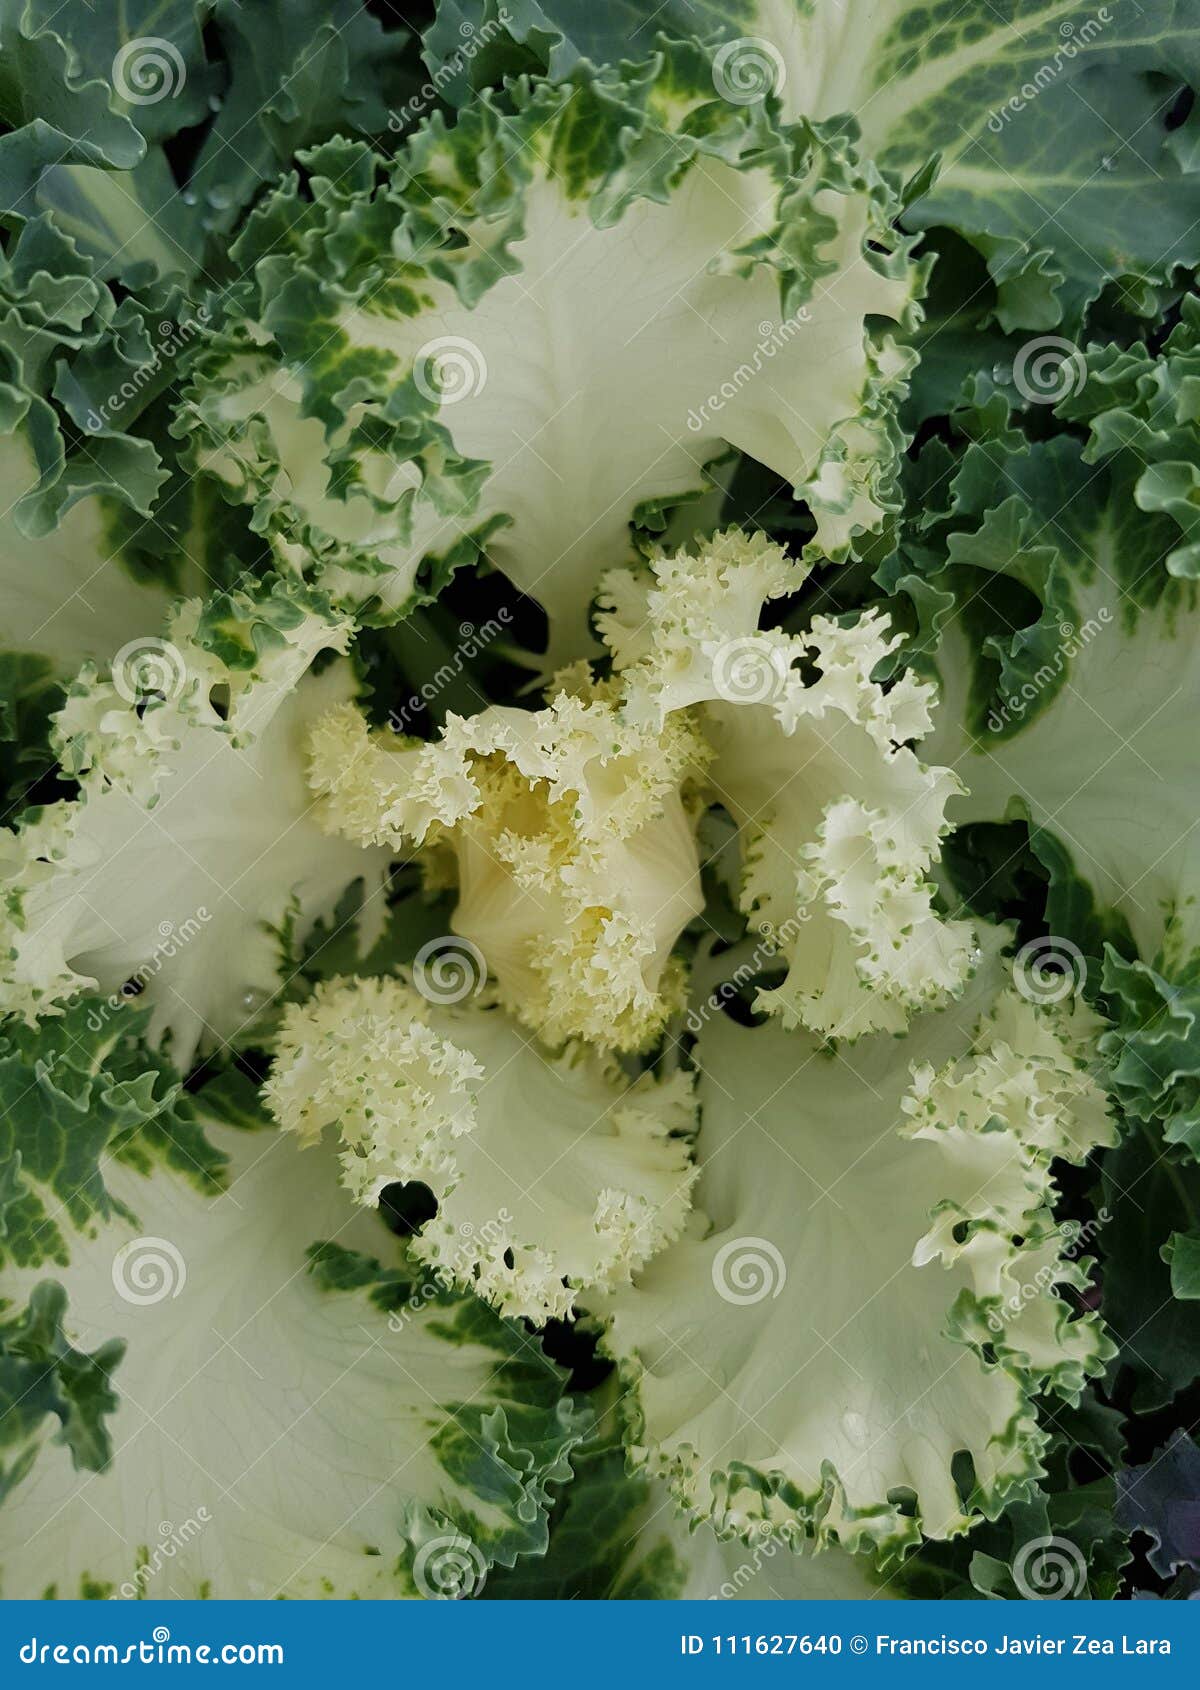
(839, 821)
(414, 370)
(869, 1285)
(228, 1383)
(552, 1173)
(191, 842)
(568, 833)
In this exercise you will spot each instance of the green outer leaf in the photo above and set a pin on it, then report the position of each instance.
(30, 693)
(1144, 424)
(469, 46)
(1153, 1049)
(76, 1092)
(1181, 1252)
(1150, 1196)
(131, 223)
(42, 1374)
(57, 110)
(598, 1548)
(509, 1455)
(161, 85)
(1007, 534)
(299, 71)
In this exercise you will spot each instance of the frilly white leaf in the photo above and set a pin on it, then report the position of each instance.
(191, 842)
(839, 821)
(551, 1173)
(867, 1287)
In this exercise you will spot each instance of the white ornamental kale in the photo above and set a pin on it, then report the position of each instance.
(569, 833)
(715, 1231)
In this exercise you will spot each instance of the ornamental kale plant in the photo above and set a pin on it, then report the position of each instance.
(600, 920)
